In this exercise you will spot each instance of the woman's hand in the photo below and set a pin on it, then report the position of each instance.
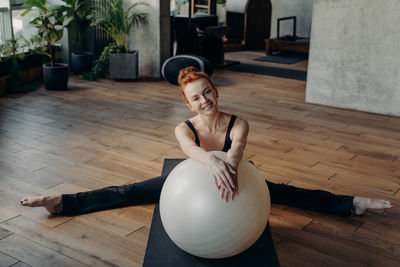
(224, 175)
(227, 195)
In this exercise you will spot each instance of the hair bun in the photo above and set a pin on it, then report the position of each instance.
(184, 73)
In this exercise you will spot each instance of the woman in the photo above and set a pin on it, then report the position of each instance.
(209, 130)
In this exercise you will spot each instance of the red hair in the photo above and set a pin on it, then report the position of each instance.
(191, 74)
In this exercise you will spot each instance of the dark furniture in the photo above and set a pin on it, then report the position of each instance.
(200, 35)
(249, 21)
(291, 43)
(204, 6)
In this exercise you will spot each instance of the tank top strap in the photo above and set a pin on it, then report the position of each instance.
(196, 137)
(228, 141)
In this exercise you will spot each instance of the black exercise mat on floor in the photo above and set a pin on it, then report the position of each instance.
(271, 71)
(281, 59)
(161, 251)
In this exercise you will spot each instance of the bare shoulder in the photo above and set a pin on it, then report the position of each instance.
(182, 132)
(241, 123)
(181, 128)
(240, 128)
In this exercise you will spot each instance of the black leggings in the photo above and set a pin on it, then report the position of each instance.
(149, 192)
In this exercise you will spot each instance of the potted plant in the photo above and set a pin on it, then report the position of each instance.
(5, 68)
(119, 22)
(50, 21)
(5, 59)
(18, 66)
(81, 60)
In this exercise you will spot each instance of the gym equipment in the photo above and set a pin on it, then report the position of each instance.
(172, 66)
(200, 223)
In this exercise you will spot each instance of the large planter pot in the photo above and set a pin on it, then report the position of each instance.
(30, 61)
(81, 62)
(124, 65)
(55, 77)
(5, 67)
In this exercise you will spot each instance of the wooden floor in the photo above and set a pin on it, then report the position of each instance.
(109, 133)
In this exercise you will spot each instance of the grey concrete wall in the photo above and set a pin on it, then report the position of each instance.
(152, 39)
(302, 9)
(354, 55)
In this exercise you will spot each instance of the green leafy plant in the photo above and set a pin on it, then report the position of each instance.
(221, 2)
(14, 48)
(178, 4)
(78, 10)
(50, 21)
(100, 67)
(37, 45)
(118, 21)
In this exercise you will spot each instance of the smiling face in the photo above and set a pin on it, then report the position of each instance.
(201, 97)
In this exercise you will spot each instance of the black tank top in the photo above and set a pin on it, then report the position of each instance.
(228, 141)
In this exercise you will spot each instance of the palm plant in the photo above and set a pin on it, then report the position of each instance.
(78, 9)
(118, 22)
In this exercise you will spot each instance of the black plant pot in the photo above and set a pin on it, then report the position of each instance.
(81, 62)
(124, 65)
(5, 67)
(30, 61)
(55, 77)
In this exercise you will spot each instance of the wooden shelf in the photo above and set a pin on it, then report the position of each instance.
(211, 7)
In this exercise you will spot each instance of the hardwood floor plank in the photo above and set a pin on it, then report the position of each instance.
(9, 145)
(59, 242)
(363, 240)
(356, 168)
(338, 249)
(282, 219)
(112, 221)
(55, 156)
(20, 264)
(291, 168)
(290, 253)
(118, 250)
(6, 214)
(4, 233)
(22, 162)
(29, 177)
(27, 251)
(6, 260)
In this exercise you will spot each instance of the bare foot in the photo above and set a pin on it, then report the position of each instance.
(51, 203)
(361, 204)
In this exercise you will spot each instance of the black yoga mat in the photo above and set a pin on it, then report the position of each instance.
(271, 71)
(281, 59)
(161, 251)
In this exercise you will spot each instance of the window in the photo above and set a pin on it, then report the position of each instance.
(12, 24)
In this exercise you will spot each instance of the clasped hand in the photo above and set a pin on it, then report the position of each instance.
(225, 177)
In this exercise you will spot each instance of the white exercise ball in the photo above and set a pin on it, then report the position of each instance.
(200, 223)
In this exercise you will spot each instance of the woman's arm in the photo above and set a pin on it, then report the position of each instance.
(235, 153)
(185, 138)
(221, 171)
(239, 140)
